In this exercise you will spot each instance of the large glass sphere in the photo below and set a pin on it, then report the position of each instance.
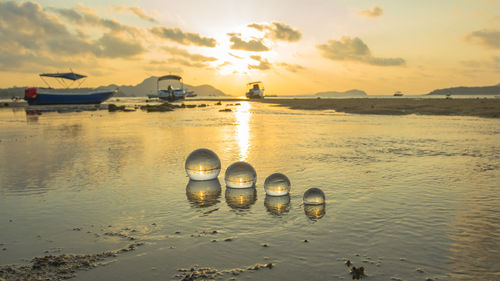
(314, 196)
(277, 184)
(203, 193)
(240, 175)
(277, 205)
(315, 212)
(202, 164)
(240, 198)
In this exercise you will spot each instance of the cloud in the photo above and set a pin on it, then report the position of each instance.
(263, 63)
(278, 31)
(184, 38)
(254, 45)
(85, 16)
(178, 52)
(492, 64)
(112, 46)
(488, 38)
(34, 36)
(354, 49)
(235, 56)
(141, 14)
(373, 12)
(291, 67)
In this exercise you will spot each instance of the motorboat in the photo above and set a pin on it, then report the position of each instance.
(255, 90)
(175, 89)
(398, 94)
(66, 94)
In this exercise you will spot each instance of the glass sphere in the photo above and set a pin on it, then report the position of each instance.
(314, 196)
(315, 212)
(203, 193)
(277, 184)
(277, 205)
(202, 164)
(240, 175)
(240, 198)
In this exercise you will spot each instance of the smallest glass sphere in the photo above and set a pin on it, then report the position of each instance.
(314, 196)
(202, 164)
(277, 184)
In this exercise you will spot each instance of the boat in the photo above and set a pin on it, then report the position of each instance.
(190, 94)
(398, 94)
(66, 95)
(175, 90)
(255, 90)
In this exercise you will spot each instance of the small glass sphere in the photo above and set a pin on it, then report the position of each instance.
(203, 193)
(277, 184)
(277, 205)
(314, 196)
(241, 198)
(240, 175)
(202, 164)
(315, 212)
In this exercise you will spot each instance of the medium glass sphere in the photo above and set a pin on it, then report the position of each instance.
(202, 164)
(277, 184)
(277, 205)
(240, 175)
(315, 212)
(314, 196)
(203, 193)
(241, 198)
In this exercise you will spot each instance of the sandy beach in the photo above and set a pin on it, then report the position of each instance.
(404, 106)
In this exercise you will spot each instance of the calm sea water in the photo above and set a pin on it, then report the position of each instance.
(403, 192)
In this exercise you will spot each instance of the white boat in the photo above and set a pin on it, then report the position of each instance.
(175, 89)
(398, 94)
(255, 90)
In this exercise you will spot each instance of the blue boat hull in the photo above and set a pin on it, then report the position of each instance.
(70, 98)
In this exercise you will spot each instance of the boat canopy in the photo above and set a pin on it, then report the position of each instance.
(68, 75)
(170, 77)
(256, 82)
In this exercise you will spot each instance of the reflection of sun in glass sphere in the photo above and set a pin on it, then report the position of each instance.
(240, 198)
(203, 193)
(314, 212)
(277, 184)
(240, 175)
(314, 196)
(202, 164)
(277, 205)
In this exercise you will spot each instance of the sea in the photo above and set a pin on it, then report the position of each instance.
(407, 197)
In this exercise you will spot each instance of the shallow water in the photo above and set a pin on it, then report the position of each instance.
(402, 192)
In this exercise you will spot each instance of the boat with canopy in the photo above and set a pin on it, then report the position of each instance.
(255, 90)
(65, 94)
(175, 88)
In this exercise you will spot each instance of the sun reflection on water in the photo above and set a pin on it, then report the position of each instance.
(243, 115)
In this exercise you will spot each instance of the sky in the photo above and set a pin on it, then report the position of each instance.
(294, 47)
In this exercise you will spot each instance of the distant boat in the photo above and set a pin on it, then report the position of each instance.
(175, 90)
(190, 94)
(67, 95)
(255, 90)
(398, 94)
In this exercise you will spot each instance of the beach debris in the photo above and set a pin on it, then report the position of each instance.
(306, 241)
(204, 273)
(219, 103)
(164, 107)
(348, 263)
(357, 273)
(420, 270)
(226, 110)
(58, 267)
(265, 245)
(228, 239)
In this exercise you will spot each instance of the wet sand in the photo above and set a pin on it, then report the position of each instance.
(392, 106)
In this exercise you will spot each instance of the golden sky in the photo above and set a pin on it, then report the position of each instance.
(294, 47)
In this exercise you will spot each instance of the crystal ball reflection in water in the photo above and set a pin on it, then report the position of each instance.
(240, 175)
(314, 212)
(277, 184)
(202, 164)
(314, 196)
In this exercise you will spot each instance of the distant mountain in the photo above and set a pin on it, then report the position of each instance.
(148, 86)
(486, 90)
(346, 94)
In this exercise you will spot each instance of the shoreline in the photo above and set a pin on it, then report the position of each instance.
(489, 108)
